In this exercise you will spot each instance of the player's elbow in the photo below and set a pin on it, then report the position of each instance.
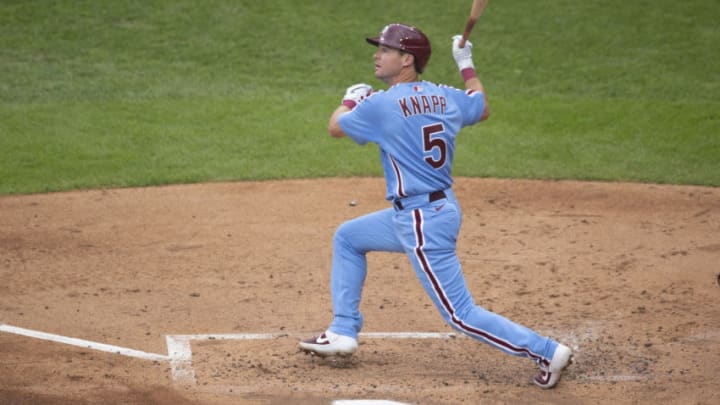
(335, 130)
(486, 113)
(334, 127)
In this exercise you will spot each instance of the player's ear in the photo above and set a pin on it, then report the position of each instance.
(408, 59)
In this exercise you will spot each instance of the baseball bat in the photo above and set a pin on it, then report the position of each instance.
(477, 8)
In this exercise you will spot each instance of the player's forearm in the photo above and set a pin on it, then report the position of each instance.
(473, 83)
(334, 125)
(463, 58)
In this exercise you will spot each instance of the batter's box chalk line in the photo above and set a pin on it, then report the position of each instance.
(102, 347)
(180, 350)
(179, 346)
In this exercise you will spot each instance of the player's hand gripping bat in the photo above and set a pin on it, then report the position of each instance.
(477, 8)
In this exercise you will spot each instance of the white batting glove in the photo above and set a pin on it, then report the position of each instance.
(463, 56)
(356, 94)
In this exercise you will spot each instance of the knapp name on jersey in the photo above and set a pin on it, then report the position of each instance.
(414, 105)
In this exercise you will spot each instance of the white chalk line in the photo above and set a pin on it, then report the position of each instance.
(409, 335)
(180, 354)
(180, 351)
(614, 378)
(83, 343)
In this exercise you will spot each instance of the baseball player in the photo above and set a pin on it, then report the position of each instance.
(415, 123)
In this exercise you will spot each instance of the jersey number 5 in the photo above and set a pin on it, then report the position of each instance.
(430, 143)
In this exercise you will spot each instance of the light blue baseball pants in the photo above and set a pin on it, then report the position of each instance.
(427, 233)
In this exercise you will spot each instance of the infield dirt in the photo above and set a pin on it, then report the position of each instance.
(625, 274)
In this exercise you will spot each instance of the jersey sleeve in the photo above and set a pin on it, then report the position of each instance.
(361, 123)
(470, 102)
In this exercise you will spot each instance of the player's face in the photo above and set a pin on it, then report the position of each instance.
(389, 62)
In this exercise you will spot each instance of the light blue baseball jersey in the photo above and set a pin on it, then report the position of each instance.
(415, 125)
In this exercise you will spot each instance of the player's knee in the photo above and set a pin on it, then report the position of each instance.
(340, 235)
(342, 239)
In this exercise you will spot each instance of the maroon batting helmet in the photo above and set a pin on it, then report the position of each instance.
(407, 39)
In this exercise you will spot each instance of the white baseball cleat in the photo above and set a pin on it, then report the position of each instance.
(329, 344)
(550, 375)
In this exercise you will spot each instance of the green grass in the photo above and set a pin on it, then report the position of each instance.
(132, 93)
(591, 139)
